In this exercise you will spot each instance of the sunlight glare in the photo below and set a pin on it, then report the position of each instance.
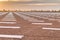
(3, 0)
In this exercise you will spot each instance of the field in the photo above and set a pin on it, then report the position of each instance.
(29, 25)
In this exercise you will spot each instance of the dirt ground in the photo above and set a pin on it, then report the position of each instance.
(29, 30)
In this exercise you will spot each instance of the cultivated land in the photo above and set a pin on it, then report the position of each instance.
(29, 25)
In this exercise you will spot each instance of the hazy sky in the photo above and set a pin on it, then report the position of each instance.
(37, 1)
(41, 1)
(45, 0)
(30, 4)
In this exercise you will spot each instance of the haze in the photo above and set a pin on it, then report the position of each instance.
(30, 4)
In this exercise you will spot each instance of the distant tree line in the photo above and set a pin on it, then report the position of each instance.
(4, 10)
